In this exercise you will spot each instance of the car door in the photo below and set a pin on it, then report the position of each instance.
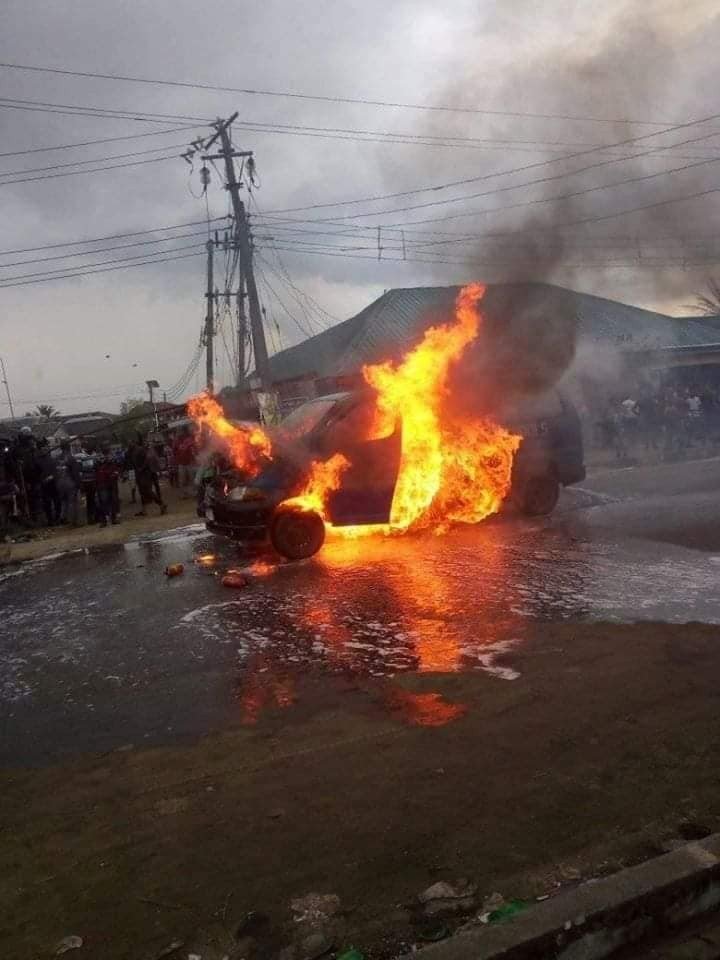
(368, 484)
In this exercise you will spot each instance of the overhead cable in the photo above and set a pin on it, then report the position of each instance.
(86, 273)
(90, 143)
(325, 98)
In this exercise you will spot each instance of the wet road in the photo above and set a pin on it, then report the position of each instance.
(101, 651)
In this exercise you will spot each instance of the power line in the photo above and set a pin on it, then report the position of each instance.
(304, 330)
(73, 173)
(301, 299)
(86, 253)
(569, 196)
(467, 180)
(284, 272)
(296, 233)
(86, 273)
(98, 263)
(442, 143)
(181, 383)
(352, 133)
(580, 221)
(75, 109)
(111, 236)
(322, 98)
(89, 143)
(473, 262)
(80, 163)
(516, 186)
(395, 233)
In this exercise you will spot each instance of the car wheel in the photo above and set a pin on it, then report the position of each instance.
(538, 495)
(297, 534)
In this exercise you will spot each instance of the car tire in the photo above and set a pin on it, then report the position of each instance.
(538, 495)
(297, 534)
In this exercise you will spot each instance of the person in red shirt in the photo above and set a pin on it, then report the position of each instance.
(185, 452)
(107, 472)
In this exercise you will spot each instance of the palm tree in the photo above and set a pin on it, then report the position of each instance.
(46, 411)
(708, 303)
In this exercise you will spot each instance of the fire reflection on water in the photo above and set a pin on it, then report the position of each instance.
(263, 687)
(427, 634)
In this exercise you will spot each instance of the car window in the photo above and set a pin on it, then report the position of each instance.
(305, 418)
(361, 422)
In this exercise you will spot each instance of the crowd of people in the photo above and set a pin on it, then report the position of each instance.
(668, 419)
(44, 485)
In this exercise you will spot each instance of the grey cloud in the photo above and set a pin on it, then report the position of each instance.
(568, 57)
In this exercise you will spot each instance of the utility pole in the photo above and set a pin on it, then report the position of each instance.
(244, 244)
(7, 388)
(152, 386)
(210, 322)
(242, 328)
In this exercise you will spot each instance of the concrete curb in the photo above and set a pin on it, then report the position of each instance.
(57, 553)
(601, 917)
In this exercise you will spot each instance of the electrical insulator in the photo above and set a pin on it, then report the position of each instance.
(204, 176)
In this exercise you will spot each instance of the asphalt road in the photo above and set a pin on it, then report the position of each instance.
(100, 651)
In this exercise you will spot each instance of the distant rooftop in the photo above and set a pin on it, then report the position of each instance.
(397, 319)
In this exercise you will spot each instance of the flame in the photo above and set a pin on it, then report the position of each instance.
(450, 470)
(325, 477)
(247, 446)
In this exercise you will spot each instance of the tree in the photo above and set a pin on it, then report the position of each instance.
(708, 303)
(46, 411)
(130, 406)
(134, 418)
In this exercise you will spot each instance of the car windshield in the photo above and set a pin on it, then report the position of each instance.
(306, 417)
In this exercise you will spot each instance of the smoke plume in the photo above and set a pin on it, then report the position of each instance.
(574, 222)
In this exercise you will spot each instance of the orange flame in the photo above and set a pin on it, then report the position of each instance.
(325, 477)
(247, 446)
(449, 470)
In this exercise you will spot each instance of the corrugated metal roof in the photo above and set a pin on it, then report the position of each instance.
(397, 319)
(318, 354)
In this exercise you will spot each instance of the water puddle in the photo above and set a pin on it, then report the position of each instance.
(111, 637)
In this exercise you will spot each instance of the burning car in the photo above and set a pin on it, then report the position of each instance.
(404, 453)
(262, 507)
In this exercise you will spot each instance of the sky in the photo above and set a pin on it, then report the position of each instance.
(517, 100)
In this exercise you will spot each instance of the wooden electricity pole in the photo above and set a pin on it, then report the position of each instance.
(242, 236)
(241, 330)
(210, 322)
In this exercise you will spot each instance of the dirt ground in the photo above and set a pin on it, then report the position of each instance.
(604, 748)
(49, 540)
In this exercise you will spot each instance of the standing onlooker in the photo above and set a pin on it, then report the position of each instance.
(8, 493)
(128, 472)
(185, 457)
(68, 484)
(48, 487)
(27, 477)
(88, 484)
(148, 490)
(107, 472)
(155, 465)
(170, 462)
